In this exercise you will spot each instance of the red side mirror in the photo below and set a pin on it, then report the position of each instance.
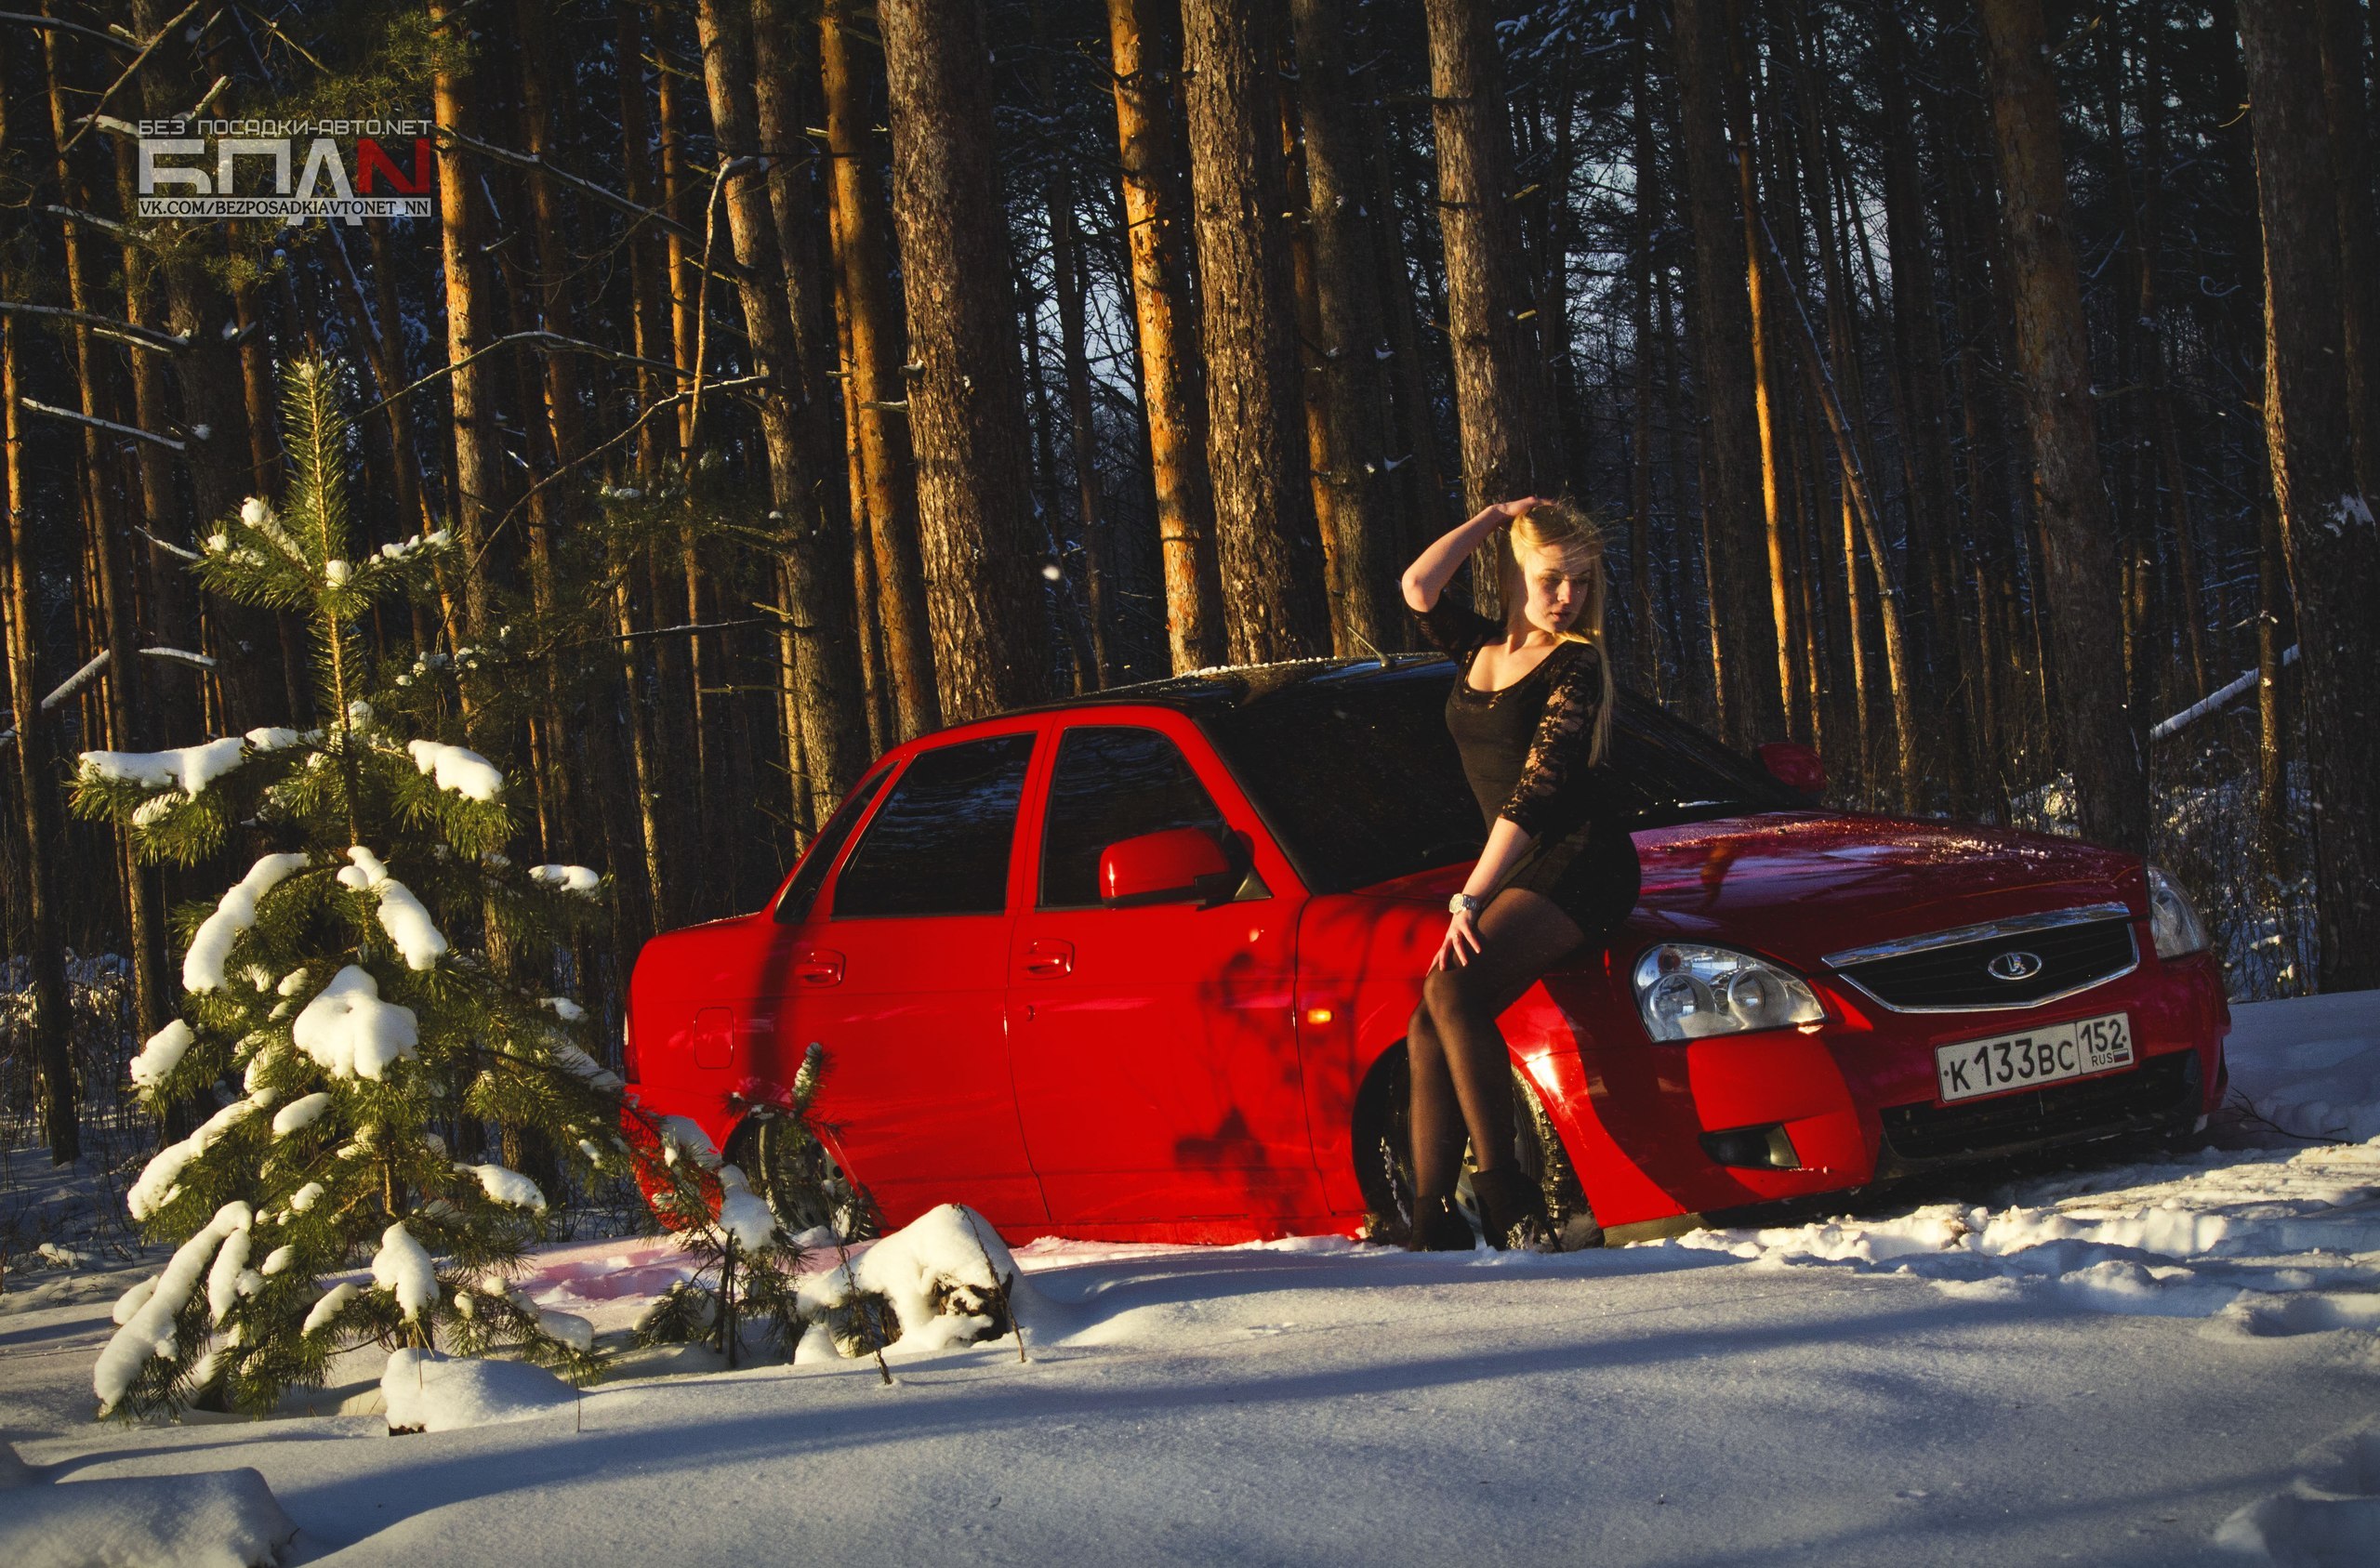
(1156, 868)
(1796, 765)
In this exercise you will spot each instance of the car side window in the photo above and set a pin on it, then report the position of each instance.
(1112, 782)
(939, 845)
(802, 891)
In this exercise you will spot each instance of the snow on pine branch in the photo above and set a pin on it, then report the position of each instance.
(458, 768)
(351, 1032)
(202, 965)
(402, 1266)
(569, 878)
(149, 1329)
(402, 915)
(161, 1055)
(189, 769)
(158, 1182)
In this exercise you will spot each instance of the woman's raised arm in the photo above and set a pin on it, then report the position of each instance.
(1435, 566)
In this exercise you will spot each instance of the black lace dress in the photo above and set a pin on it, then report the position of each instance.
(1524, 749)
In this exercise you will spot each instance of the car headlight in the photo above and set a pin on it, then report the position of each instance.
(1685, 992)
(2171, 921)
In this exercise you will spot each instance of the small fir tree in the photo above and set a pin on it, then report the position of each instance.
(328, 999)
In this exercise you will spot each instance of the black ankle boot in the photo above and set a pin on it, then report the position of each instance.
(1438, 1226)
(1512, 1211)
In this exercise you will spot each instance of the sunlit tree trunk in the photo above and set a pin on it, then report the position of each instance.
(1340, 204)
(1173, 403)
(870, 311)
(1744, 623)
(817, 561)
(1267, 553)
(966, 408)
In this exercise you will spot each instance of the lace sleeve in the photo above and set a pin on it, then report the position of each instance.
(1456, 628)
(1559, 748)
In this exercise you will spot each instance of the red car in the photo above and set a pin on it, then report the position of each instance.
(1137, 967)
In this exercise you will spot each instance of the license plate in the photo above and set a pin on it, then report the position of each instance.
(2075, 1049)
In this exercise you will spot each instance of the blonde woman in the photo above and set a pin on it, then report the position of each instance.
(1530, 711)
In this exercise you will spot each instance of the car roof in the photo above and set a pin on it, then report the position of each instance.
(1226, 687)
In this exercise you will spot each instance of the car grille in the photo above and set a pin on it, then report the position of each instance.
(2096, 1107)
(1957, 977)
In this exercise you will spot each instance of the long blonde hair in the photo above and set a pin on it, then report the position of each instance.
(1563, 528)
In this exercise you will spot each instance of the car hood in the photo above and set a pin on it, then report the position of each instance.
(1801, 883)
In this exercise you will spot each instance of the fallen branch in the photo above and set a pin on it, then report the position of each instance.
(180, 655)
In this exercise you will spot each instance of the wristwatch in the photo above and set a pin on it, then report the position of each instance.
(1463, 904)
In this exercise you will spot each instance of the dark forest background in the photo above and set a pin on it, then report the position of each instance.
(802, 377)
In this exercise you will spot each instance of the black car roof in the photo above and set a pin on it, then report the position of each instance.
(1235, 686)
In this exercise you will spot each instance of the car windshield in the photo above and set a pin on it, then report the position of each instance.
(1355, 774)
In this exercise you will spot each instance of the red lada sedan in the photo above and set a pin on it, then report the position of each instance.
(1138, 967)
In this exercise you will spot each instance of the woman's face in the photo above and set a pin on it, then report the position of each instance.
(1557, 584)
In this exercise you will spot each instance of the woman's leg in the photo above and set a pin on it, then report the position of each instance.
(1437, 1118)
(1522, 934)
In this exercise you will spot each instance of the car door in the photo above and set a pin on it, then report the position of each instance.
(1153, 1047)
(900, 975)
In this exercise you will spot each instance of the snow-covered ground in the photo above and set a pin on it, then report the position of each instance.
(2152, 1363)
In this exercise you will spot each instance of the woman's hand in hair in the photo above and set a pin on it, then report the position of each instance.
(1463, 928)
(1511, 509)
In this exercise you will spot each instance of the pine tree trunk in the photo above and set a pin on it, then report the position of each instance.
(1173, 406)
(1072, 285)
(1340, 202)
(2272, 723)
(2326, 518)
(1502, 453)
(1917, 343)
(817, 564)
(966, 407)
(870, 315)
(1759, 314)
(2344, 83)
(1646, 209)
(478, 444)
(2101, 739)
(1267, 548)
(198, 311)
(1744, 621)
(37, 775)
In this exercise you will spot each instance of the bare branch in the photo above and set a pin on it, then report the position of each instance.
(109, 39)
(137, 60)
(75, 682)
(611, 199)
(106, 326)
(102, 424)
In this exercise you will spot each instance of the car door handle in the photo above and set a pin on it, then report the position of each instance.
(1047, 960)
(818, 966)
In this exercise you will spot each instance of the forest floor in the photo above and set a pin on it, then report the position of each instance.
(2116, 1362)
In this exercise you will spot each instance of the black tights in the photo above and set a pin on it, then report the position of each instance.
(1462, 1077)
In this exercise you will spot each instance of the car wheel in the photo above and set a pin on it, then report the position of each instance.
(800, 1182)
(1383, 1143)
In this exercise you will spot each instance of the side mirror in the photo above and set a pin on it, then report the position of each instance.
(1178, 864)
(1796, 766)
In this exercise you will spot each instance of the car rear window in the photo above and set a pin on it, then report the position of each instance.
(802, 891)
(939, 845)
(1355, 774)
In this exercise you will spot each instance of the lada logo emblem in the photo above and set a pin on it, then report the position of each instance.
(2014, 963)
